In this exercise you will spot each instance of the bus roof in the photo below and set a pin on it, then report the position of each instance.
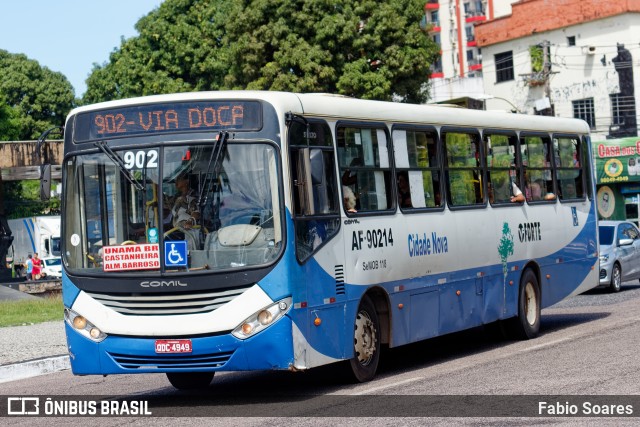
(341, 107)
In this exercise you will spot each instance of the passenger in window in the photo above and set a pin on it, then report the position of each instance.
(349, 199)
(547, 190)
(404, 191)
(534, 192)
(569, 191)
(504, 193)
(438, 198)
(516, 196)
(350, 177)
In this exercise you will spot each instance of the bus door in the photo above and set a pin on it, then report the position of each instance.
(316, 216)
(315, 195)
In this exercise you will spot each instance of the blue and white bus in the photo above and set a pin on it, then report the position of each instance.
(453, 219)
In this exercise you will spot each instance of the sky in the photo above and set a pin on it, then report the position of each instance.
(69, 36)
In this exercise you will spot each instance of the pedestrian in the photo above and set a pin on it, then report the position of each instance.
(37, 267)
(29, 265)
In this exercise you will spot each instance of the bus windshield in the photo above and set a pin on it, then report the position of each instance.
(123, 207)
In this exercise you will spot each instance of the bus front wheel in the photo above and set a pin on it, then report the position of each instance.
(527, 324)
(366, 342)
(190, 380)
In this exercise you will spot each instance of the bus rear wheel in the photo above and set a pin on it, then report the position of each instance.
(527, 324)
(366, 342)
(190, 380)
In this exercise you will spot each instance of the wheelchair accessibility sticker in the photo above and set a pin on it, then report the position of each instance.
(175, 253)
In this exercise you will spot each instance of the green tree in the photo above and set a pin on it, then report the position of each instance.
(22, 199)
(9, 123)
(364, 48)
(40, 98)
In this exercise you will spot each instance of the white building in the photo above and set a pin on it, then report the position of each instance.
(566, 58)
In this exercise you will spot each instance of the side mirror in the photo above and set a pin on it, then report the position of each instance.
(45, 182)
(625, 242)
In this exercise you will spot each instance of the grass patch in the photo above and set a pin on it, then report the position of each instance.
(26, 312)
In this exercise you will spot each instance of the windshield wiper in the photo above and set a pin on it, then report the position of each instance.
(117, 160)
(215, 164)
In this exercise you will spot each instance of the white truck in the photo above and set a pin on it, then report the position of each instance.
(39, 234)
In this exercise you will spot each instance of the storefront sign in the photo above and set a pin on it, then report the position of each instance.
(617, 160)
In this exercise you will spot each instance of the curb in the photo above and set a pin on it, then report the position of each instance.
(33, 368)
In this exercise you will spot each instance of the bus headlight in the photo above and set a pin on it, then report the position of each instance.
(262, 319)
(82, 325)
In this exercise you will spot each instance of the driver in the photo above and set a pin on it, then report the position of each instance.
(185, 211)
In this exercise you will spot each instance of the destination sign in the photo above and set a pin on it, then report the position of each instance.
(164, 118)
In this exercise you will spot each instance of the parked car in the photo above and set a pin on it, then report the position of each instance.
(52, 267)
(619, 253)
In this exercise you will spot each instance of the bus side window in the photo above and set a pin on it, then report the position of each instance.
(568, 167)
(364, 167)
(536, 157)
(463, 168)
(502, 168)
(418, 166)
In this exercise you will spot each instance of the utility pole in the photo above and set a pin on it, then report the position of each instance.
(5, 237)
(546, 70)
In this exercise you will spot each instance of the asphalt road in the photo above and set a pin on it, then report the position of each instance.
(587, 350)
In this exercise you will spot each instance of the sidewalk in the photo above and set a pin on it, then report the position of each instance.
(31, 350)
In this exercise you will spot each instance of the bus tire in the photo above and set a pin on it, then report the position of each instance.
(190, 380)
(366, 342)
(526, 324)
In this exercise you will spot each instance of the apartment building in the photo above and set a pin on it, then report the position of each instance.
(451, 24)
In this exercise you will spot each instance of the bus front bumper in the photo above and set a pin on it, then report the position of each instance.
(269, 349)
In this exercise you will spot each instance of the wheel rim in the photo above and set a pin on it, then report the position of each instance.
(616, 278)
(530, 303)
(365, 338)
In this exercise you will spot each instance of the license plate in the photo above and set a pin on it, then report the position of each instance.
(173, 346)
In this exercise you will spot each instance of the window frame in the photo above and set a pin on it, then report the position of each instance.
(587, 164)
(518, 166)
(578, 107)
(438, 168)
(617, 117)
(481, 167)
(390, 188)
(504, 73)
(581, 168)
(550, 168)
